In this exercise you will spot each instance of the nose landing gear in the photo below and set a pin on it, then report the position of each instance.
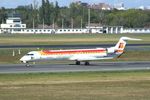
(27, 64)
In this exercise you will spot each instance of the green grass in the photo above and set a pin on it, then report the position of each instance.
(61, 39)
(6, 56)
(127, 85)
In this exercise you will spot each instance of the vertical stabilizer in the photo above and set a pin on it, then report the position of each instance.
(120, 46)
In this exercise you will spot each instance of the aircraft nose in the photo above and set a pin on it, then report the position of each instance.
(24, 59)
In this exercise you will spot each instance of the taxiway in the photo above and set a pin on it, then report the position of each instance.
(95, 66)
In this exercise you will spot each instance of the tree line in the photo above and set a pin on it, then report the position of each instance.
(76, 16)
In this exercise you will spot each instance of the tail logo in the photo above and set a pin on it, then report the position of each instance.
(120, 48)
(121, 45)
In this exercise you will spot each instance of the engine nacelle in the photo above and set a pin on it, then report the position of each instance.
(111, 50)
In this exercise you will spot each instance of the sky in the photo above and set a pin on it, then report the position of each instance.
(127, 3)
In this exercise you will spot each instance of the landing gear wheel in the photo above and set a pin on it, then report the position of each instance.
(77, 62)
(27, 65)
(87, 63)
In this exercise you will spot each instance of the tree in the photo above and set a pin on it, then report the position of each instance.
(78, 12)
(2, 14)
(42, 11)
(75, 13)
(56, 12)
(26, 13)
(131, 18)
(47, 13)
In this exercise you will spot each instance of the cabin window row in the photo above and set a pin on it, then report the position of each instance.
(77, 30)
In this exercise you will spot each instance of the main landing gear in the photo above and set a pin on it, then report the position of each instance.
(77, 62)
(86, 63)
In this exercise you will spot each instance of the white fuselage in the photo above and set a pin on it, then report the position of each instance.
(78, 55)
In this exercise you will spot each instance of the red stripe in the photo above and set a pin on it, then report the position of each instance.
(49, 52)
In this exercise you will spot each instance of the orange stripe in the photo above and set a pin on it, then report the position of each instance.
(119, 51)
(53, 52)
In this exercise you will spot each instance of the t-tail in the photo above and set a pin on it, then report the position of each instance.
(118, 49)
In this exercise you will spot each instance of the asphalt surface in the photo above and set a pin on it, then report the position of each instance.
(100, 66)
(67, 46)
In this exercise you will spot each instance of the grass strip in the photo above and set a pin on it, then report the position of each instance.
(127, 85)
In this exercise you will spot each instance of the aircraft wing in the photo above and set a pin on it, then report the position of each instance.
(88, 58)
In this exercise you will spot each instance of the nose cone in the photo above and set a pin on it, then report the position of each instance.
(25, 59)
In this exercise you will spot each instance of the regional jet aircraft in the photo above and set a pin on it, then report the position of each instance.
(78, 55)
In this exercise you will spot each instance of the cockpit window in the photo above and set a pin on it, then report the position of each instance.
(29, 54)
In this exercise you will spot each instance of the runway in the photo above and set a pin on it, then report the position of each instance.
(67, 46)
(100, 66)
